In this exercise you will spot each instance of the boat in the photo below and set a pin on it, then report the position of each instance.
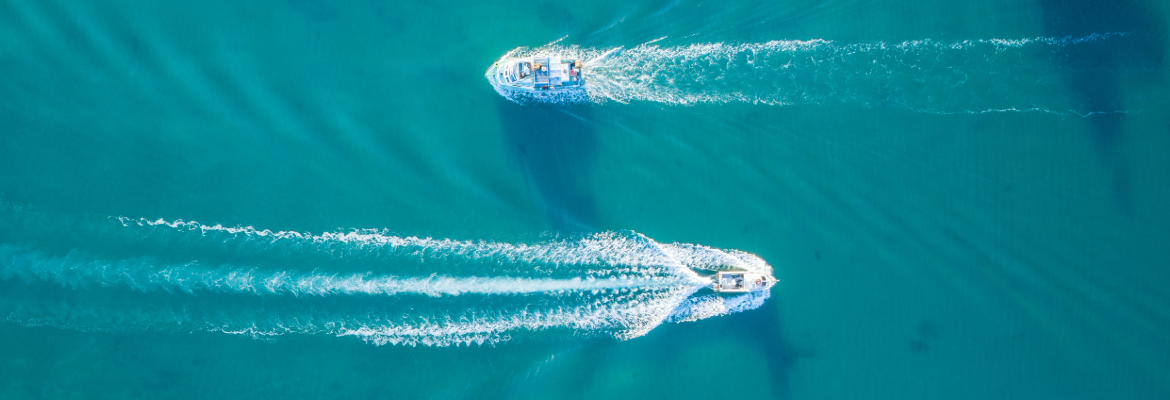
(542, 73)
(742, 282)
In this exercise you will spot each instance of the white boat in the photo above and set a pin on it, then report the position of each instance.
(741, 282)
(543, 73)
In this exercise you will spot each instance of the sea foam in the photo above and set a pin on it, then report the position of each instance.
(945, 77)
(452, 292)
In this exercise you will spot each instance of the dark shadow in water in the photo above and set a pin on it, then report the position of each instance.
(762, 329)
(670, 350)
(555, 148)
(1094, 70)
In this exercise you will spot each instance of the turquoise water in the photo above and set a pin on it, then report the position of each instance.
(310, 199)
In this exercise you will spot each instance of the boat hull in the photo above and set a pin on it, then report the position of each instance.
(742, 282)
(543, 78)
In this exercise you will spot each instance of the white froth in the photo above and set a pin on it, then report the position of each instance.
(622, 284)
(984, 75)
(147, 275)
(613, 250)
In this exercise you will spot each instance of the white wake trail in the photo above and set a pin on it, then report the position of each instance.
(624, 317)
(967, 76)
(154, 275)
(76, 270)
(619, 252)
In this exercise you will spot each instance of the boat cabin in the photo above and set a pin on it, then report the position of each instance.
(541, 73)
(551, 72)
(741, 282)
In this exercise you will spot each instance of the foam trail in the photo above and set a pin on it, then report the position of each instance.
(708, 306)
(604, 253)
(428, 321)
(125, 274)
(969, 76)
(624, 317)
(634, 251)
(76, 270)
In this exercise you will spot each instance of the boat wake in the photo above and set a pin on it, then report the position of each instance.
(969, 76)
(184, 276)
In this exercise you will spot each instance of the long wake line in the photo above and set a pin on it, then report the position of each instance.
(121, 274)
(611, 249)
(968, 76)
(147, 275)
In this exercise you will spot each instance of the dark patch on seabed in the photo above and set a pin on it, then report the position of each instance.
(1094, 70)
(769, 334)
(924, 337)
(759, 330)
(555, 148)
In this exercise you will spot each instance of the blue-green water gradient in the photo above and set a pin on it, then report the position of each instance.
(960, 200)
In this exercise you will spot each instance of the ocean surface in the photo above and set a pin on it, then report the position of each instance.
(321, 199)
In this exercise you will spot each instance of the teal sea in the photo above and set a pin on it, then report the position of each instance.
(295, 199)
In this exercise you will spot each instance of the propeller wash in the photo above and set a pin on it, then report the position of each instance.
(123, 274)
(968, 76)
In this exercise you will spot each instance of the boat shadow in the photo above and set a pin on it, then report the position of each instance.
(668, 354)
(1094, 71)
(555, 149)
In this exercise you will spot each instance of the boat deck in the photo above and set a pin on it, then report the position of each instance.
(554, 73)
(741, 282)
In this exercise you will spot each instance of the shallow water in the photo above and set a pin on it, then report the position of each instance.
(316, 199)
